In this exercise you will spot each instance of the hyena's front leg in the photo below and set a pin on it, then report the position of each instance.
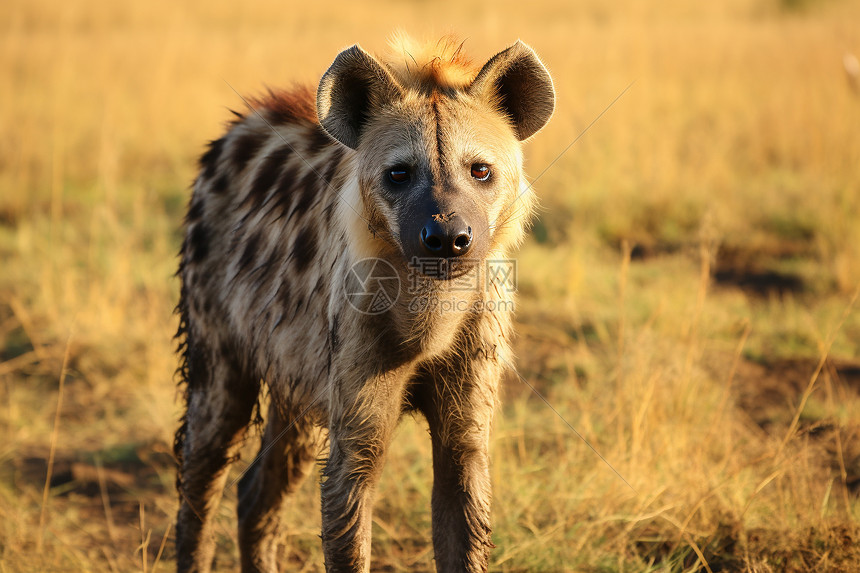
(220, 403)
(287, 455)
(458, 401)
(361, 425)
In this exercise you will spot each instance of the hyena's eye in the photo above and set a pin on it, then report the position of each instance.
(480, 171)
(399, 174)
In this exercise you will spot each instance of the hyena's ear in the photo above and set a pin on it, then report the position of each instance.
(352, 88)
(521, 86)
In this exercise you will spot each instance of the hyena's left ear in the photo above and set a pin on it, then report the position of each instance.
(522, 86)
(352, 88)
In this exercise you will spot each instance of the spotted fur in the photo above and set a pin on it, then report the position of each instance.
(286, 203)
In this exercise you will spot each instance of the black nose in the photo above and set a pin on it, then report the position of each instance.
(446, 236)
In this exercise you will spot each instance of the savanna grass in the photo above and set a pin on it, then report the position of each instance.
(687, 299)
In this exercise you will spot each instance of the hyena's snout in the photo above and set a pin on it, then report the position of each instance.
(446, 235)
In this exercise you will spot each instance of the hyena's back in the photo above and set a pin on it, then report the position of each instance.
(259, 250)
(256, 270)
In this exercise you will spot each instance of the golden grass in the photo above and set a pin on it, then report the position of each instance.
(713, 361)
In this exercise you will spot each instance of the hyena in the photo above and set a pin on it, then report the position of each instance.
(304, 202)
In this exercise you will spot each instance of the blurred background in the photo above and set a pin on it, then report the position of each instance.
(687, 294)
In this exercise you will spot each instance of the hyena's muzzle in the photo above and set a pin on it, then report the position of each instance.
(445, 228)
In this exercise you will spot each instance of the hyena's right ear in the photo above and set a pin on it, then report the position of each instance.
(352, 88)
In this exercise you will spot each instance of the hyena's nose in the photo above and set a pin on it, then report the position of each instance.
(446, 236)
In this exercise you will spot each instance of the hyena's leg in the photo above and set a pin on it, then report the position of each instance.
(220, 404)
(360, 428)
(459, 403)
(287, 455)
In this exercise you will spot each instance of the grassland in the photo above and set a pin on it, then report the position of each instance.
(688, 295)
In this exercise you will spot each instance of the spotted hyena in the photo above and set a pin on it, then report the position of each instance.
(341, 251)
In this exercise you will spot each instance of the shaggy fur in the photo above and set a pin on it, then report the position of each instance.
(287, 202)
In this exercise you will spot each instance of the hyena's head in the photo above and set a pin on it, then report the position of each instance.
(437, 148)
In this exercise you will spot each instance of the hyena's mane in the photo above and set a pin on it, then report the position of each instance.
(285, 106)
(430, 66)
(420, 66)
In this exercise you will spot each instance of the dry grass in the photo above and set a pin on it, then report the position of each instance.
(688, 298)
